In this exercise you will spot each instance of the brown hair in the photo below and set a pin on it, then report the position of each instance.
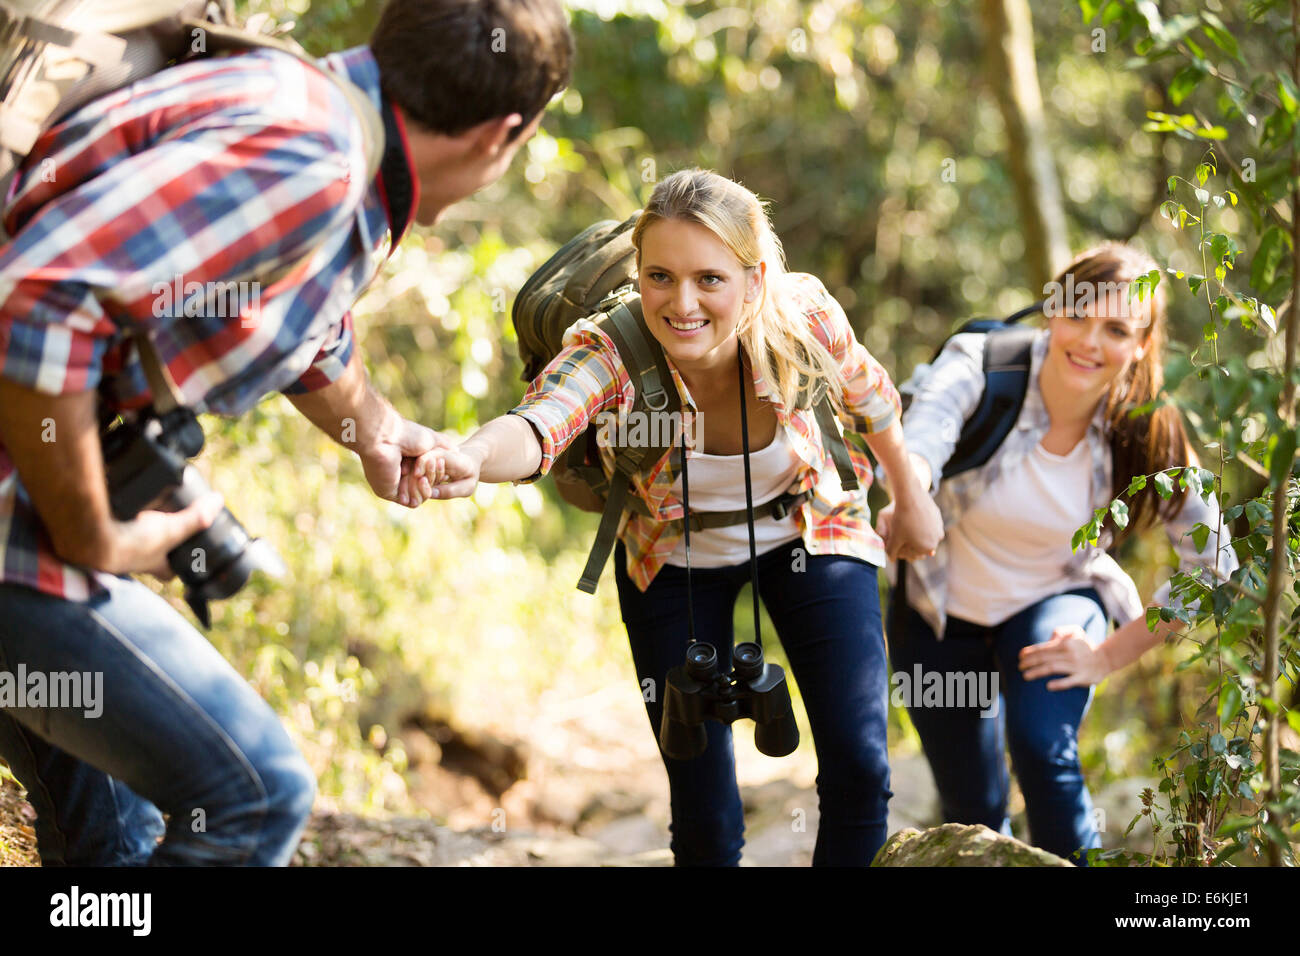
(1154, 439)
(452, 64)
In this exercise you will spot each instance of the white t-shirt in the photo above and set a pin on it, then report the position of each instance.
(1011, 547)
(718, 484)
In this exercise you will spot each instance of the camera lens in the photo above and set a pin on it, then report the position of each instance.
(748, 660)
(701, 661)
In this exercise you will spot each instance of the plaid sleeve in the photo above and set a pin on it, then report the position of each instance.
(330, 362)
(945, 396)
(233, 175)
(585, 378)
(871, 403)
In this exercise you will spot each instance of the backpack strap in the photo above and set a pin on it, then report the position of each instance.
(1006, 380)
(654, 393)
(833, 440)
(819, 400)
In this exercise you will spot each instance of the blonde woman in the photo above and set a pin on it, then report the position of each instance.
(716, 296)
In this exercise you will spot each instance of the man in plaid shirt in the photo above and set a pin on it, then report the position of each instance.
(247, 170)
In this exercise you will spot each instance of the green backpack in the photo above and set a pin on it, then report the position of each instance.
(593, 276)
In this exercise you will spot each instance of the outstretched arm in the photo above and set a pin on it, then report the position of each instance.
(505, 449)
(351, 412)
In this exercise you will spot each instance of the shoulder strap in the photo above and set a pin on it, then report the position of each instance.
(833, 440)
(654, 393)
(1006, 379)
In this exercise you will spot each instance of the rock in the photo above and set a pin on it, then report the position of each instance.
(955, 844)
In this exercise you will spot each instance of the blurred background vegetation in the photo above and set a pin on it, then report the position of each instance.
(846, 114)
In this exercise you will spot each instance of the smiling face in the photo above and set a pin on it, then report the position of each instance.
(693, 292)
(1092, 347)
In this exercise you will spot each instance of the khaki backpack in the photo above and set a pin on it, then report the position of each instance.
(593, 276)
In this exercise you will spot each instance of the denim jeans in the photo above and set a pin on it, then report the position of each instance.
(179, 732)
(826, 612)
(1039, 726)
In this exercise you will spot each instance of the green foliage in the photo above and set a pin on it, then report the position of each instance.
(1209, 807)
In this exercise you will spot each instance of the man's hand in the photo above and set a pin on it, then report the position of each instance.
(391, 452)
(357, 417)
(141, 545)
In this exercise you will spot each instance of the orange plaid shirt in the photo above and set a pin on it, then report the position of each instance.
(587, 378)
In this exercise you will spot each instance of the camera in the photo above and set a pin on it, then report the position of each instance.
(697, 691)
(147, 464)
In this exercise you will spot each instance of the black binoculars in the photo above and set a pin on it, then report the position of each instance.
(147, 466)
(697, 692)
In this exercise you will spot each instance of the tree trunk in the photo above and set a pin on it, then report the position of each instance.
(1013, 73)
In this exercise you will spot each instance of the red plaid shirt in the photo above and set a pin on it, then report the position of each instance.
(218, 172)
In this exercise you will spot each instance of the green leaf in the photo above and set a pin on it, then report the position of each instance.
(1181, 87)
(1283, 458)
(1191, 478)
(1164, 485)
(1219, 35)
(1263, 267)
(1286, 92)
(1200, 535)
(1119, 511)
(1203, 196)
(1229, 703)
(1153, 618)
(1258, 512)
(1136, 485)
(1233, 825)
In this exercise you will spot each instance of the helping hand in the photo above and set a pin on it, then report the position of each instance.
(441, 473)
(390, 455)
(910, 530)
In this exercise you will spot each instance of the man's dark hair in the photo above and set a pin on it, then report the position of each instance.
(452, 64)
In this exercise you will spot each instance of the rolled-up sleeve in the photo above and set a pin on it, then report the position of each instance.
(871, 402)
(944, 398)
(584, 379)
(330, 362)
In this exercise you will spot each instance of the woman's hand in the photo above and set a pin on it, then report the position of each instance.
(1069, 653)
(441, 473)
(911, 528)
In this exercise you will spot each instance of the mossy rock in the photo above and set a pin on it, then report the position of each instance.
(956, 844)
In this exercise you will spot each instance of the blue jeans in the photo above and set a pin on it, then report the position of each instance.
(826, 611)
(1040, 726)
(179, 731)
